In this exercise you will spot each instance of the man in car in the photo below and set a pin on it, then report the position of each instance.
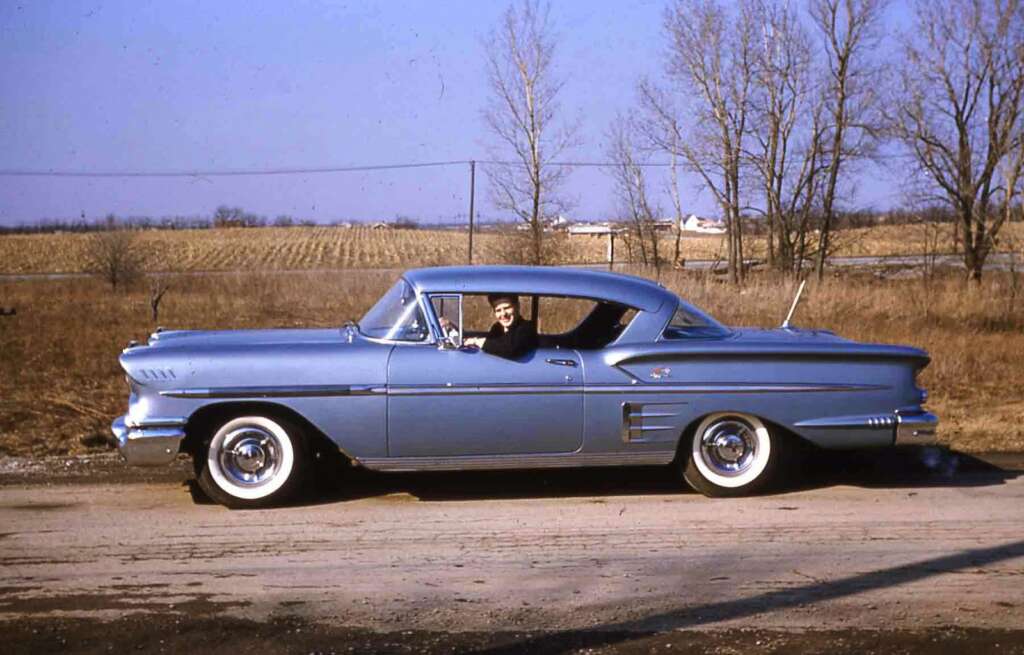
(511, 336)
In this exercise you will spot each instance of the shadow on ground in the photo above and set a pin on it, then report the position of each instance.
(174, 633)
(908, 467)
(606, 637)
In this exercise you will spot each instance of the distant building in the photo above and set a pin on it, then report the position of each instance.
(593, 229)
(694, 223)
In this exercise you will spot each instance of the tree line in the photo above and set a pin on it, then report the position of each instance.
(774, 106)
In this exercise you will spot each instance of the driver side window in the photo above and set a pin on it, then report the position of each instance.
(448, 310)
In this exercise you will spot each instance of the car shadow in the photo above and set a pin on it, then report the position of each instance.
(903, 467)
(907, 467)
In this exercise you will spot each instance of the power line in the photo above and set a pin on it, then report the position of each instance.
(228, 172)
(576, 164)
(300, 171)
(330, 169)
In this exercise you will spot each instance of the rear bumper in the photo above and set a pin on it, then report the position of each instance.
(148, 442)
(915, 428)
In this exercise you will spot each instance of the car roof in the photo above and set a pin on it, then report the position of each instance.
(542, 281)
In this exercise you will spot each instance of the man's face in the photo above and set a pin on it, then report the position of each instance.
(506, 313)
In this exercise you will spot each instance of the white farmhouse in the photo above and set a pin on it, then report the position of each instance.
(694, 223)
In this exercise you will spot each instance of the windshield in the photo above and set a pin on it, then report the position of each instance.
(690, 323)
(396, 316)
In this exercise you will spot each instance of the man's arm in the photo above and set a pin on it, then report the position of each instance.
(515, 343)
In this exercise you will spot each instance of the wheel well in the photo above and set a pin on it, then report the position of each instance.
(202, 422)
(776, 429)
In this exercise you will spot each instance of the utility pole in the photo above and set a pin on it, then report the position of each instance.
(472, 194)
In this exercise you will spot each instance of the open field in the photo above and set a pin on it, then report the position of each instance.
(60, 384)
(313, 248)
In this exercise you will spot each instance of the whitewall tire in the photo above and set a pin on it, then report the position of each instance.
(730, 454)
(252, 461)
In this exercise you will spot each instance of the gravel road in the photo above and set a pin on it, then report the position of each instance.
(910, 545)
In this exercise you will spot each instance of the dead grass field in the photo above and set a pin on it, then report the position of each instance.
(60, 384)
(316, 248)
(295, 248)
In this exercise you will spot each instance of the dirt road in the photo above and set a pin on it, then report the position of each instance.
(876, 543)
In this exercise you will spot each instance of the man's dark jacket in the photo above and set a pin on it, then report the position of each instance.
(520, 339)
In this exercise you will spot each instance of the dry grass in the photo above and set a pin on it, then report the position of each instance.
(913, 239)
(319, 248)
(60, 384)
(296, 248)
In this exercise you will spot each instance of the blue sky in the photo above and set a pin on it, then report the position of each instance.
(187, 85)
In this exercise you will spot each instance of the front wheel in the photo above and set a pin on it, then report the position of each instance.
(252, 461)
(730, 454)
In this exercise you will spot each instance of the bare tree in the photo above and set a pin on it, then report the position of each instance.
(959, 113)
(788, 134)
(631, 188)
(850, 30)
(673, 186)
(158, 286)
(112, 255)
(711, 63)
(523, 117)
(658, 129)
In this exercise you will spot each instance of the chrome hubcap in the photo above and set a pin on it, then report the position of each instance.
(729, 447)
(250, 456)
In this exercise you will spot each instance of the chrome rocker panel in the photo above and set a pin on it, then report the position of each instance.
(527, 461)
(150, 442)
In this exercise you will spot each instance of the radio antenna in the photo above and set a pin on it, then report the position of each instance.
(792, 308)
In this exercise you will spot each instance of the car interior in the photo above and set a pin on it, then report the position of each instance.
(565, 322)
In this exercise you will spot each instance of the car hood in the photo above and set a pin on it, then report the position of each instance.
(190, 359)
(192, 338)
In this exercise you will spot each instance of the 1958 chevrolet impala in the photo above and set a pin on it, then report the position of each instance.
(643, 379)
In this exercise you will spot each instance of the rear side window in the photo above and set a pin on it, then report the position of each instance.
(690, 323)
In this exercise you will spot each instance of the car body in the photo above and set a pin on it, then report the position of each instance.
(644, 379)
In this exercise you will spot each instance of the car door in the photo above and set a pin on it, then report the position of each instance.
(447, 401)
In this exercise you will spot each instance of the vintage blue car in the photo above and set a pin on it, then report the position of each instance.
(622, 372)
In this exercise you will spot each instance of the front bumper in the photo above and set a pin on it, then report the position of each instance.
(915, 428)
(150, 441)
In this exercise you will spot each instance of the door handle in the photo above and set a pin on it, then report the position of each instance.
(561, 362)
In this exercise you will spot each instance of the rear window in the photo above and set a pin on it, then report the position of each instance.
(690, 323)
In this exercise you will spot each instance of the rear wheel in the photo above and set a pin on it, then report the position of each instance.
(730, 454)
(252, 461)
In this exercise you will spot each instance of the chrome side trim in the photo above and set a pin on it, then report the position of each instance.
(917, 428)
(632, 389)
(311, 391)
(481, 389)
(872, 421)
(637, 429)
(737, 387)
(495, 462)
(297, 391)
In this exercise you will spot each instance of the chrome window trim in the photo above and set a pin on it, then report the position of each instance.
(429, 340)
(434, 322)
